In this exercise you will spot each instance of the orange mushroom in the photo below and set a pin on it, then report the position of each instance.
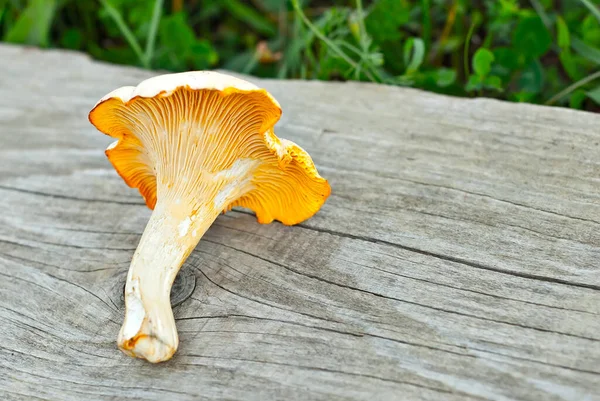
(196, 144)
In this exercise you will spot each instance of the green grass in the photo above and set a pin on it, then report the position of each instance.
(537, 51)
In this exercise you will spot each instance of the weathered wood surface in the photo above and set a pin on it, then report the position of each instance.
(458, 257)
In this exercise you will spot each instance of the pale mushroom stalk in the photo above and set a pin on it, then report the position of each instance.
(170, 236)
(196, 144)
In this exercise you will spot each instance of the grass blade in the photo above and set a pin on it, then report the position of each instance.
(250, 16)
(573, 87)
(129, 36)
(2, 11)
(592, 8)
(33, 25)
(426, 24)
(414, 54)
(151, 40)
(466, 49)
(328, 42)
(539, 9)
(585, 50)
(364, 40)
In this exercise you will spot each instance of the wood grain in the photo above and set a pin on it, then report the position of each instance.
(456, 259)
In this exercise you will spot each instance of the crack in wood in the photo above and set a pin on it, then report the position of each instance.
(451, 258)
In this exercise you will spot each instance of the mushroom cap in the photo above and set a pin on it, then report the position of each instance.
(165, 84)
(175, 130)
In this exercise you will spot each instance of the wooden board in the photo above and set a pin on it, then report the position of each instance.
(458, 257)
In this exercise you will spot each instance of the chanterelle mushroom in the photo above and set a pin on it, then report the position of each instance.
(196, 144)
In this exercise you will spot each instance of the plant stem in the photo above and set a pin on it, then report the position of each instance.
(572, 87)
(361, 23)
(426, 24)
(2, 11)
(365, 42)
(436, 57)
(328, 42)
(466, 51)
(177, 5)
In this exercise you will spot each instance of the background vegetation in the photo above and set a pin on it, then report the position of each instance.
(538, 51)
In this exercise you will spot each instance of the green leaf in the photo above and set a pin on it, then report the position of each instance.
(203, 55)
(531, 38)
(386, 18)
(482, 62)
(414, 53)
(569, 64)
(508, 7)
(175, 40)
(590, 30)
(576, 99)
(178, 47)
(33, 25)
(475, 82)
(532, 78)
(72, 39)
(564, 39)
(493, 82)
(175, 34)
(523, 97)
(250, 16)
(594, 94)
(444, 77)
(585, 50)
(506, 57)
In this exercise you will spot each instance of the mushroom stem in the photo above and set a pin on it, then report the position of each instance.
(149, 330)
